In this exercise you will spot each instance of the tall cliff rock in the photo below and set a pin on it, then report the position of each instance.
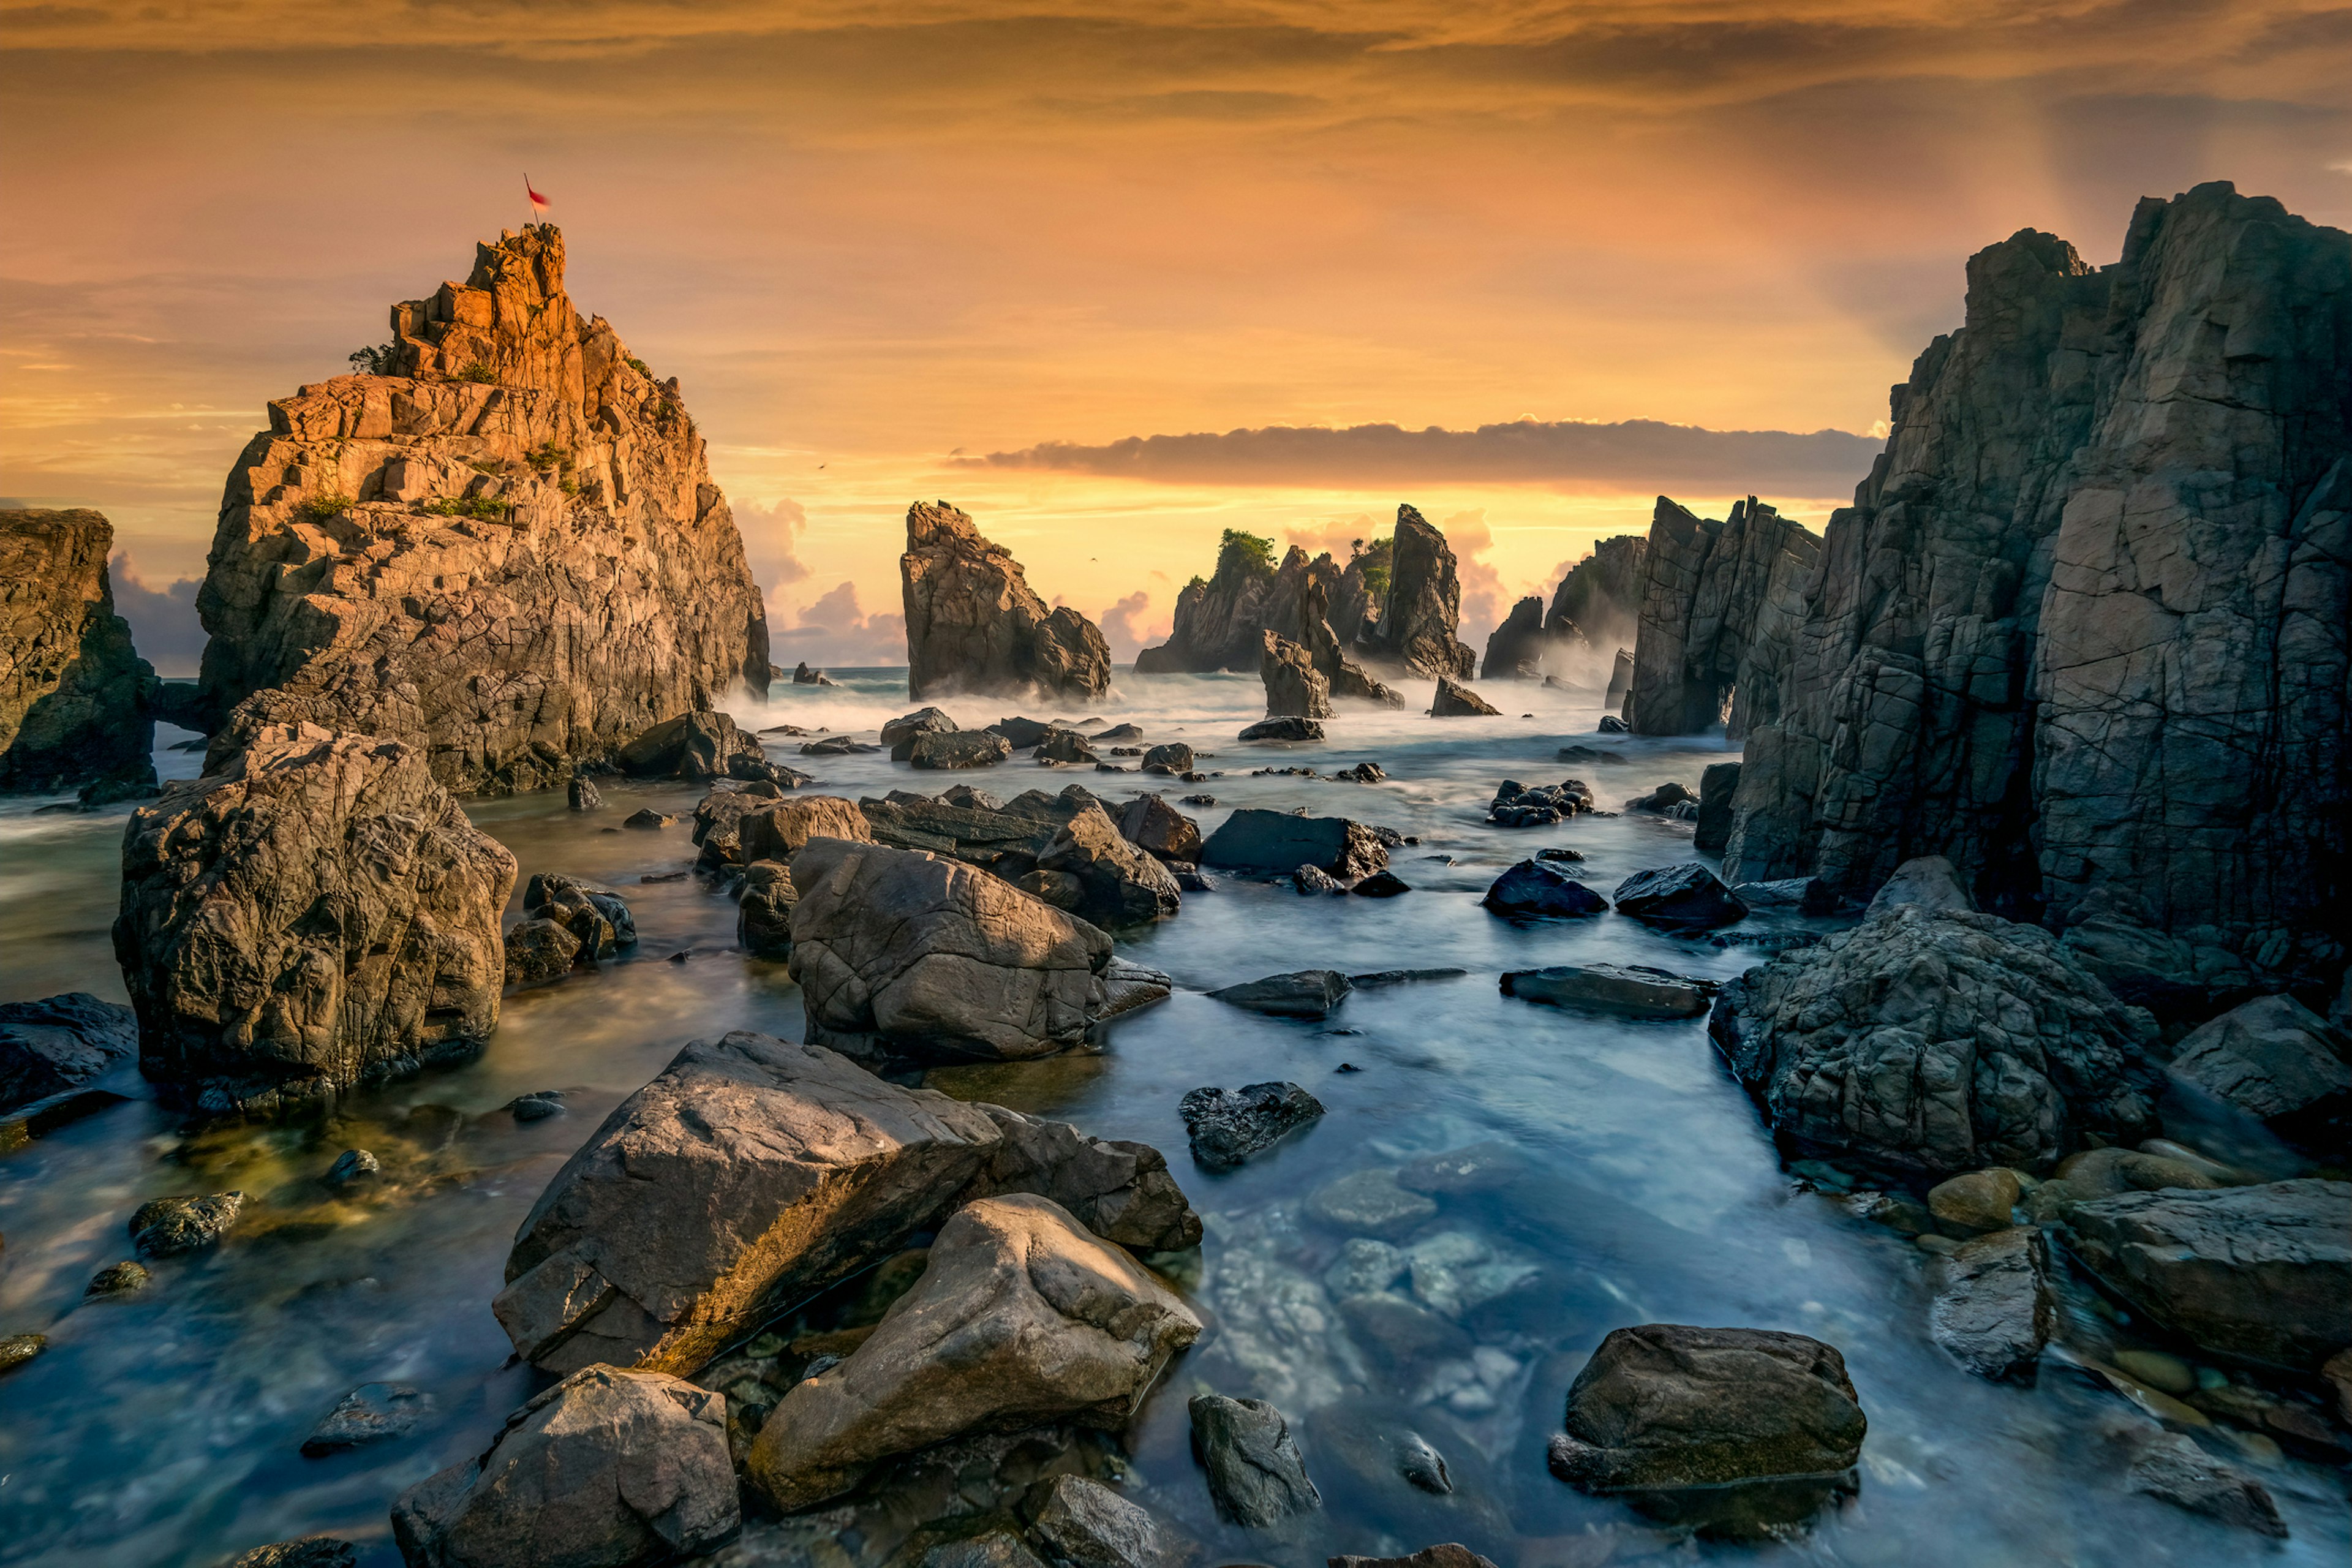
(2085, 627)
(1514, 650)
(1298, 610)
(1719, 603)
(506, 551)
(973, 624)
(1417, 627)
(1220, 619)
(71, 687)
(1599, 601)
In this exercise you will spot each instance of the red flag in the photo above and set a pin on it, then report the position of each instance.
(538, 203)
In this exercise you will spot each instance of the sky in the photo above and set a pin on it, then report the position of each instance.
(1111, 278)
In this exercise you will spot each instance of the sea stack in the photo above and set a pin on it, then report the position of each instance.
(974, 625)
(1720, 602)
(505, 549)
(1424, 604)
(72, 690)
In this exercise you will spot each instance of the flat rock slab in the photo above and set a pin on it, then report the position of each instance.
(1275, 843)
(1609, 988)
(1370, 1202)
(1303, 994)
(2260, 1272)
(2174, 1469)
(61, 1043)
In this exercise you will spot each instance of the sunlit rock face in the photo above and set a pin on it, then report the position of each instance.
(2085, 626)
(70, 684)
(507, 550)
(1719, 601)
(973, 624)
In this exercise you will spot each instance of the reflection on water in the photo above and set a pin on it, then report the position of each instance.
(1632, 1184)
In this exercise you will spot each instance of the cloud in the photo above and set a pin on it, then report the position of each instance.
(771, 532)
(1336, 539)
(1126, 629)
(1485, 600)
(163, 624)
(1637, 454)
(834, 629)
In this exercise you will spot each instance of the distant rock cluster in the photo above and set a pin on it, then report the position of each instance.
(74, 696)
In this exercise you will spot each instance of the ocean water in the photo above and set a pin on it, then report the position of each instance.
(165, 1427)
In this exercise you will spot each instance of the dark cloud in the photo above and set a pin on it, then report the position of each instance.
(834, 629)
(163, 624)
(1636, 454)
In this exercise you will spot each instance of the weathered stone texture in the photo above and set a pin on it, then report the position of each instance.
(973, 624)
(72, 688)
(1718, 603)
(508, 553)
(319, 914)
(1424, 604)
(2086, 625)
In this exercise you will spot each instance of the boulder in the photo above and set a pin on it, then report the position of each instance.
(61, 1043)
(1635, 992)
(695, 746)
(1944, 1042)
(1294, 687)
(1127, 986)
(1719, 603)
(1289, 728)
(1256, 1476)
(1381, 884)
(1455, 700)
(1084, 1524)
(1688, 895)
(1061, 745)
(1993, 1309)
(1718, 784)
(73, 707)
(583, 795)
(1274, 843)
(1541, 887)
(2171, 1468)
(1303, 994)
(763, 918)
(958, 749)
(649, 819)
(2259, 1274)
(780, 830)
(1122, 1191)
(900, 734)
(718, 820)
(318, 914)
(1150, 823)
(1228, 1125)
(1665, 1409)
(1662, 799)
(2112, 933)
(901, 953)
(1020, 1317)
(606, 1469)
(539, 951)
(2276, 1059)
(1977, 1201)
(1119, 884)
(1024, 734)
(1171, 757)
(168, 1227)
(973, 624)
(803, 675)
(597, 917)
(1418, 623)
(1315, 880)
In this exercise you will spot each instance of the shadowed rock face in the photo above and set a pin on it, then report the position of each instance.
(1599, 603)
(507, 553)
(973, 624)
(1424, 604)
(1718, 603)
(319, 914)
(70, 685)
(1294, 687)
(2085, 626)
(1218, 619)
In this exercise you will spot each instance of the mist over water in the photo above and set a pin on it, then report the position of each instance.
(163, 1428)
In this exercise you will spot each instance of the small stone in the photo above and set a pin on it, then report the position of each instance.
(372, 1413)
(1559, 854)
(2176, 1470)
(118, 1280)
(585, 795)
(168, 1226)
(645, 816)
(1347, 1066)
(2158, 1370)
(1084, 1524)
(1421, 1465)
(15, 1349)
(1931, 1242)
(997, 1549)
(1381, 884)
(1370, 1202)
(1315, 879)
(311, 1552)
(1978, 1201)
(1364, 1268)
(537, 1107)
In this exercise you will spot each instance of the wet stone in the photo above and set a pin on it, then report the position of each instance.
(1977, 1201)
(168, 1226)
(1256, 1474)
(15, 1349)
(997, 1549)
(1381, 884)
(372, 1413)
(1370, 1202)
(1539, 886)
(352, 1165)
(1228, 1125)
(537, 1107)
(311, 1552)
(1447, 1554)
(2174, 1469)
(645, 816)
(118, 1279)
(585, 795)
(1303, 994)
(1082, 1523)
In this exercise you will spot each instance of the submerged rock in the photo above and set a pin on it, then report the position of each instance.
(1541, 887)
(1993, 1310)
(2261, 1273)
(60, 1042)
(1634, 991)
(1946, 1042)
(167, 1227)
(2171, 1468)
(1303, 994)
(606, 1469)
(973, 624)
(116, 1279)
(1020, 1317)
(1256, 1476)
(1447, 1554)
(1276, 843)
(1228, 1125)
(318, 915)
(372, 1413)
(73, 692)
(904, 953)
(1733, 1428)
(311, 1552)
(1370, 1203)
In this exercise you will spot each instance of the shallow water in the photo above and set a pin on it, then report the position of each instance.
(165, 1427)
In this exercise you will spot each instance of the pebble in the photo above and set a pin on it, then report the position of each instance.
(119, 1279)
(1347, 1066)
(537, 1107)
(15, 1349)
(645, 816)
(352, 1165)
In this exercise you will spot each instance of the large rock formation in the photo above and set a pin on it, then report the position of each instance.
(2086, 625)
(507, 550)
(318, 914)
(1719, 601)
(1424, 605)
(973, 624)
(71, 688)
(1599, 603)
(1294, 687)
(1515, 649)
(1219, 618)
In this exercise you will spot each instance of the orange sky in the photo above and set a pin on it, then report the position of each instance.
(883, 238)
